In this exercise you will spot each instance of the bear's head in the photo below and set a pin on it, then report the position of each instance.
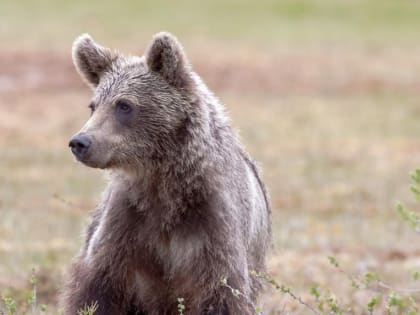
(140, 105)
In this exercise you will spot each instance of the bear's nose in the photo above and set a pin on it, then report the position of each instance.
(79, 145)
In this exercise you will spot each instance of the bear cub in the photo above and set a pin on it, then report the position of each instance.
(184, 212)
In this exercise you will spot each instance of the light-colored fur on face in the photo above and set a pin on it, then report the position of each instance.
(150, 83)
(185, 206)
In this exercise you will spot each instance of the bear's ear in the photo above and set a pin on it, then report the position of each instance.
(90, 59)
(166, 57)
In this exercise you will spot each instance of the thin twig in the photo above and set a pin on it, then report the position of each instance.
(403, 290)
(237, 293)
(33, 281)
(286, 290)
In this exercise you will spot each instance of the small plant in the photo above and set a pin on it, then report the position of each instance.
(238, 294)
(235, 292)
(398, 300)
(43, 308)
(285, 290)
(88, 309)
(32, 294)
(10, 305)
(181, 306)
(372, 304)
(412, 218)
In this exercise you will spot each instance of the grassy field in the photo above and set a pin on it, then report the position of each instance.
(326, 97)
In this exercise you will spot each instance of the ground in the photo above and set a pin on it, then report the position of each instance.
(325, 95)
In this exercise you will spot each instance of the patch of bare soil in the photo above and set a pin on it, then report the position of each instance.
(24, 71)
(291, 72)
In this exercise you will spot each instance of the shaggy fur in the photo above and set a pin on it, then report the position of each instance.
(184, 207)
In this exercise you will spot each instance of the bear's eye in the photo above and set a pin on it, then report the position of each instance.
(123, 107)
(123, 111)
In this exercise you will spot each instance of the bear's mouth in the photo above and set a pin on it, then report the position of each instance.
(92, 163)
(86, 152)
(87, 160)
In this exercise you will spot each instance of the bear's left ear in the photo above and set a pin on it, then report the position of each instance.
(166, 57)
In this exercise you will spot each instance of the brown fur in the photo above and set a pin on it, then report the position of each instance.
(184, 207)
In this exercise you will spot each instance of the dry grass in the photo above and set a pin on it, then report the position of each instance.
(334, 165)
(335, 128)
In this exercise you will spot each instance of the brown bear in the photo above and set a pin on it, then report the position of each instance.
(185, 213)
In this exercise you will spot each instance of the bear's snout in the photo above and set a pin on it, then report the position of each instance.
(79, 145)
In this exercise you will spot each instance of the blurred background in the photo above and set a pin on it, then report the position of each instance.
(325, 94)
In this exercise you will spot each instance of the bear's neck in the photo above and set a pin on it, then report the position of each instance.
(165, 194)
(178, 183)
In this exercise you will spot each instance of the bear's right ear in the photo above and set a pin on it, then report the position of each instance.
(90, 59)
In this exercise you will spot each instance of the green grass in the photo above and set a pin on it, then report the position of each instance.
(324, 96)
(50, 24)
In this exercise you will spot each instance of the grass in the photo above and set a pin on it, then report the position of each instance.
(325, 94)
(268, 22)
